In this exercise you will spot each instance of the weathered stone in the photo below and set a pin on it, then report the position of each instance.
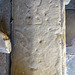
(5, 45)
(70, 4)
(70, 31)
(2, 64)
(4, 26)
(70, 64)
(4, 33)
(71, 49)
(33, 3)
(67, 2)
(39, 42)
(5, 16)
(70, 25)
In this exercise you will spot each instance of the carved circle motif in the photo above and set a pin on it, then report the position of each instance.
(31, 3)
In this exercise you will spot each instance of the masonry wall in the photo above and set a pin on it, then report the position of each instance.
(39, 42)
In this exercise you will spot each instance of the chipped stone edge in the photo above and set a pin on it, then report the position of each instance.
(7, 43)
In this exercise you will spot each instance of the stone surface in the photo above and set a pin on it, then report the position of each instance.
(70, 64)
(70, 4)
(2, 44)
(4, 30)
(67, 2)
(5, 16)
(4, 24)
(70, 26)
(71, 49)
(70, 29)
(2, 64)
(5, 44)
(39, 43)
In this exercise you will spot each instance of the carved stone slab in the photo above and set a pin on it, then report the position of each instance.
(39, 37)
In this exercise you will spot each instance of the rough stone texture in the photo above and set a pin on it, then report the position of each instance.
(70, 26)
(4, 16)
(2, 44)
(70, 31)
(2, 64)
(71, 49)
(67, 2)
(5, 44)
(4, 23)
(4, 29)
(70, 4)
(70, 64)
(38, 37)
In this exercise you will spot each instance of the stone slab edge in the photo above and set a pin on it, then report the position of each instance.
(63, 39)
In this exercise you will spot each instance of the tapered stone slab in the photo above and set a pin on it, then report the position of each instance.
(39, 37)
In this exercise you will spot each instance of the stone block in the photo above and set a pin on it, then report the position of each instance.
(39, 41)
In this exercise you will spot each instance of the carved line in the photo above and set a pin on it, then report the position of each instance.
(37, 6)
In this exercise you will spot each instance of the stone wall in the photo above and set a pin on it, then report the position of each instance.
(70, 30)
(4, 31)
(5, 11)
(39, 42)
